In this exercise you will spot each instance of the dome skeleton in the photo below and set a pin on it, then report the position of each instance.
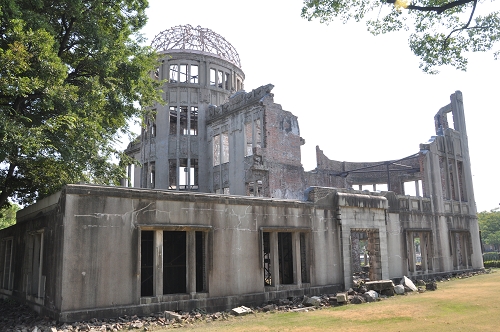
(185, 37)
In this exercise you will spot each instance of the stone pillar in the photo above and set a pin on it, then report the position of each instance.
(191, 262)
(297, 272)
(273, 239)
(158, 263)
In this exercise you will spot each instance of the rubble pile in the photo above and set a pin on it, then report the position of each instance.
(19, 318)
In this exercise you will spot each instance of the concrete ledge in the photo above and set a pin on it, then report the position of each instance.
(210, 304)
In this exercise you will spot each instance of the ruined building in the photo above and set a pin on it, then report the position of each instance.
(221, 213)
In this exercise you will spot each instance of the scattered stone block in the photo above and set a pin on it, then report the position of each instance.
(431, 286)
(379, 285)
(173, 315)
(269, 307)
(370, 296)
(399, 289)
(357, 299)
(342, 298)
(409, 284)
(314, 301)
(240, 311)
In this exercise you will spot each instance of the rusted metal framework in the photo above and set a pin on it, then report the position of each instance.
(185, 37)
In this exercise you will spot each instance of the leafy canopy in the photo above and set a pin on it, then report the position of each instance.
(71, 74)
(442, 31)
(8, 215)
(489, 224)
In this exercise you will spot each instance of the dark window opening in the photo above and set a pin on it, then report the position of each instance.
(267, 258)
(255, 189)
(193, 125)
(174, 262)
(285, 258)
(183, 117)
(194, 74)
(147, 262)
(200, 262)
(152, 176)
(173, 120)
(172, 174)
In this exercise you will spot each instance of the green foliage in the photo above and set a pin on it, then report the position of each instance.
(442, 31)
(491, 264)
(489, 224)
(71, 74)
(491, 256)
(8, 215)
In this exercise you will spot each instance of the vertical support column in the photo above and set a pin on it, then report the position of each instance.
(41, 285)
(158, 263)
(297, 272)
(273, 239)
(417, 189)
(424, 238)
(191, 263)
(411, 253)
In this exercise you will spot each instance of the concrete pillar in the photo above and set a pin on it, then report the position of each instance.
(158, 261)
(423, 251)
(273, 239)
(297, 272)
(191, 263)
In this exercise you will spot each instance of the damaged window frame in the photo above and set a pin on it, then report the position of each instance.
(184, 254)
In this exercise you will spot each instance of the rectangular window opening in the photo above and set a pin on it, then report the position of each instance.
(285, 258)
(183, 73)
(194, 74)
(216, 149)
(193, 121)
(172, 174)
(220, 80)
(249, 138)
(147, 263)
(413, 188)
(183, 120)
(212, 76)
(267, 258)
(258, 134)
(174, 262)
(174, 74)
(188, 174)
(173, 120)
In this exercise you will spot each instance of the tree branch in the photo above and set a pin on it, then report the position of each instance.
(437, 9)
(67, 32)
(446, 41)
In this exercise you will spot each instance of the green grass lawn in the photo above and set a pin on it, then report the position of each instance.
(469, 304)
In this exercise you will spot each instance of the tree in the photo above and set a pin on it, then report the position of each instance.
(443, 31)
(71, 74)
(8, 215)
(489, 224)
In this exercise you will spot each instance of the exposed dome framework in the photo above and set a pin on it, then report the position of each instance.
(185, 37)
